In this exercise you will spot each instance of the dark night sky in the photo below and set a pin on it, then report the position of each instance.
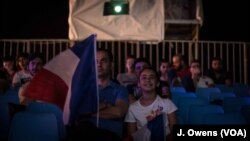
(223, 19)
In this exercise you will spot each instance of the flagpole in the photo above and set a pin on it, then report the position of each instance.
(97, 114)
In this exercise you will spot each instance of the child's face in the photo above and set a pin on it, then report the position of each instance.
(164, 68)
(148, 80)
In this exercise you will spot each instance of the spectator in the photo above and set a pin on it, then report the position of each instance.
(178, 70)
(35, 64)
(164, 88)
(150, 105)
(217, 73)
(113, 104)
(129, 77)
(190, 83)
(9, 68)
(133, 90)
(22, 75)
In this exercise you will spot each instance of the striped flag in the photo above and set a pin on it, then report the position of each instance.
(69, 80)
(154, 130)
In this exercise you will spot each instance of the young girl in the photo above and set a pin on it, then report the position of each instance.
(129, 77)
(150, 105)
(164, 88)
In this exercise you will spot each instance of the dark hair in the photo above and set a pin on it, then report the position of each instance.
(130, 56)
(195, 61)
(32, 56)
(110, 55)
(8, 58)
(23, 54)
(150, 68)
(141, 59)
(216, 59)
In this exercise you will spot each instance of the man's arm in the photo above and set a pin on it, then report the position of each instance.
(172, 122)
(116, 111)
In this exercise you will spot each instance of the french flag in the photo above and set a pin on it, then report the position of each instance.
(154, 130)
(69, 80)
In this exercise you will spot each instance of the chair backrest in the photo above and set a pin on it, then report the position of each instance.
(205, 93)
(184, 106)
(9, 97)
(177, 95)
(221, 95)
(27, 126)
(197, 112)
(234, 104)
(42, 107)
(245, 111)
(224, 119)
(177, 89)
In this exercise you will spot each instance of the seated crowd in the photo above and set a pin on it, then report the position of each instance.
(139, 95)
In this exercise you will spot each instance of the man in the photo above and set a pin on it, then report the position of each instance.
(113, 105)
(113, 98)
(35, 64)
(196, 80)
(178, 70)
(133, 90)
(217, 73)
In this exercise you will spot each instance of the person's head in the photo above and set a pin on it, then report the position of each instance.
(130, 60)
(148, 79)
(36, 62)
(22, 61)
(104, 60)
(8, 63)
(195, 68)
(177, 61)
(216, 64)
(164, 66)
(3, 82)
(139, 64)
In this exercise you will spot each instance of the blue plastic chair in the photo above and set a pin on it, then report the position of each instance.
(224, 119)
(42, 107)
(197, 112)
(9, 97)
(33, 127)
(245, 111)
(184, 106)
(221, 95)
(177, 89)
(177, 95)
(233, 105)
(205, 93)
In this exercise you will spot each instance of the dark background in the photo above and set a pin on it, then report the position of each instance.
(223, 19)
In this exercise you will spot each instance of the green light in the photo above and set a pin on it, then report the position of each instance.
(118, 8)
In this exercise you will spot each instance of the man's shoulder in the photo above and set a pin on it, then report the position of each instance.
(116, 85)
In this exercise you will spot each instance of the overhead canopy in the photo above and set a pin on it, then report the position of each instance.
(148, 20)
(144, 22)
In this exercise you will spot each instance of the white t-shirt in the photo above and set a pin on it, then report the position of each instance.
(125, 79)
(21, 77)
(138, 113)
(204, 82)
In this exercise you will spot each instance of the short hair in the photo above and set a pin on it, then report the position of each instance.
(178, 55)
(164, 61)
(130, 56)
(23, 54)
(195, 61)
(216, 59)
(150, 68)
(141, 59)
(110, 55)
(32, 56)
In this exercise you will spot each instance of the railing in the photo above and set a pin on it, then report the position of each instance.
(234, 54)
